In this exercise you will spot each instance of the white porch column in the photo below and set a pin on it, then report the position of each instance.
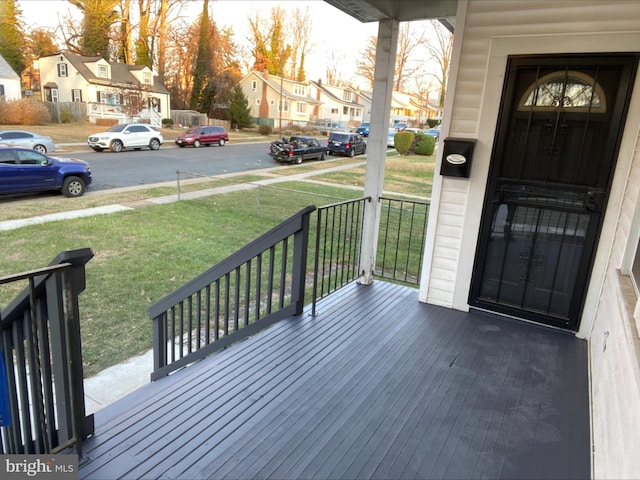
(377, 142)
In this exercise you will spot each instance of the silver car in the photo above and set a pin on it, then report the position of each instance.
(24, 139)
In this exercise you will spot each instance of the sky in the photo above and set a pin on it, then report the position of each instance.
(335, 34)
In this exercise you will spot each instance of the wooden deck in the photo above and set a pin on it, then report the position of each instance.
(376, 385)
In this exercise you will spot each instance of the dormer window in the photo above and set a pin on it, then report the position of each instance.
(299, 89)
(62, 69)
(103, 71)
(346, 95)
(146, 78)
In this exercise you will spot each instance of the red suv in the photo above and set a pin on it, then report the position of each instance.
(197, 136)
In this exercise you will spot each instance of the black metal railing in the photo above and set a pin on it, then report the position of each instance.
(338, 246)
(403, 226)
(258, 285)
(42, 354)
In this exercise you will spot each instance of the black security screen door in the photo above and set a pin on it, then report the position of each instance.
(558, 135)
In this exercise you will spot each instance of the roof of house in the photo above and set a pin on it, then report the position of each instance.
(333, 96)
(6, 71)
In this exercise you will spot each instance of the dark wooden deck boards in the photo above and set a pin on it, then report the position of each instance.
(377, 385)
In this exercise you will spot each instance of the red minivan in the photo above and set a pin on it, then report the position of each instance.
(203, 135)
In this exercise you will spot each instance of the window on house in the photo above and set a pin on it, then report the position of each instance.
(301, 107)
(346, 95)
(273, 102)
(254, 85)
(76, 95)
(109, 98)
(334, 111)
(299, 89)
(345, 110)
(257, 101)
(146, 78)
(286, 106)
(62, 69)
(1, 90)
(103, 71)
(54, 94)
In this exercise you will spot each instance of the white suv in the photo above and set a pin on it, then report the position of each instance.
(137, 136)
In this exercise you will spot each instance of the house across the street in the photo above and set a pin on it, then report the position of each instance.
(111, 90)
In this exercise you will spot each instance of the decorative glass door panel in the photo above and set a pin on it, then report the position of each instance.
(558, 135)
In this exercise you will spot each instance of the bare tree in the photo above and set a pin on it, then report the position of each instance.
(408, 42)
(440, 50)
(366, 64)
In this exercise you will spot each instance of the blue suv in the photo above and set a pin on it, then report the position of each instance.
(363, 129)
(23, 170)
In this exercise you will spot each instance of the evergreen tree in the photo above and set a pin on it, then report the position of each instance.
(98, 17)
(200, 68)
(11, 35)
(239, 112)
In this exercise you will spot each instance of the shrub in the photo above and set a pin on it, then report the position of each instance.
(66, 116)
(403, 141)
(24, 111)
(167, 122)
(424, 145)
(265, 129)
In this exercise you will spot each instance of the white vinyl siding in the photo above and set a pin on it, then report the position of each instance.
(490, 30)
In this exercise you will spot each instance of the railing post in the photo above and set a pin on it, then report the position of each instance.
(159, 341)
(300, 253)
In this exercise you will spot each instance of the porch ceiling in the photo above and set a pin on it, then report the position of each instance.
(402, 10)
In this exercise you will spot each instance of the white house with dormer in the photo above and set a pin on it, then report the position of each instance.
(109, 89)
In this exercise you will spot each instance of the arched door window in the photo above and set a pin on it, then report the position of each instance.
(566, 90)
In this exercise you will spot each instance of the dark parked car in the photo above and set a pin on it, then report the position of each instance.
(24, 139)
(343, 143)
(23, 170)
(363, 129)
(297, 149)
(434, 132)
(197, 136)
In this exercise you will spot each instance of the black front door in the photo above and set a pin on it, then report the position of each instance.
(557, 140)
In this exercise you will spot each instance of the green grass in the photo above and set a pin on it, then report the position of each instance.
(146, 253)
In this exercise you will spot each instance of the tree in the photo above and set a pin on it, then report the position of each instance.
(440, 50)
(98, 17)
(12, 34)
(408, 42)
(125, 48)
(366, 64)
(239, 112)
(143, 54)
(200, 67)
(281, 43)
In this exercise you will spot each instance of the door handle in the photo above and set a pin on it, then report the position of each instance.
(593, 203)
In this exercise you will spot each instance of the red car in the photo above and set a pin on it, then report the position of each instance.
(197, 136)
